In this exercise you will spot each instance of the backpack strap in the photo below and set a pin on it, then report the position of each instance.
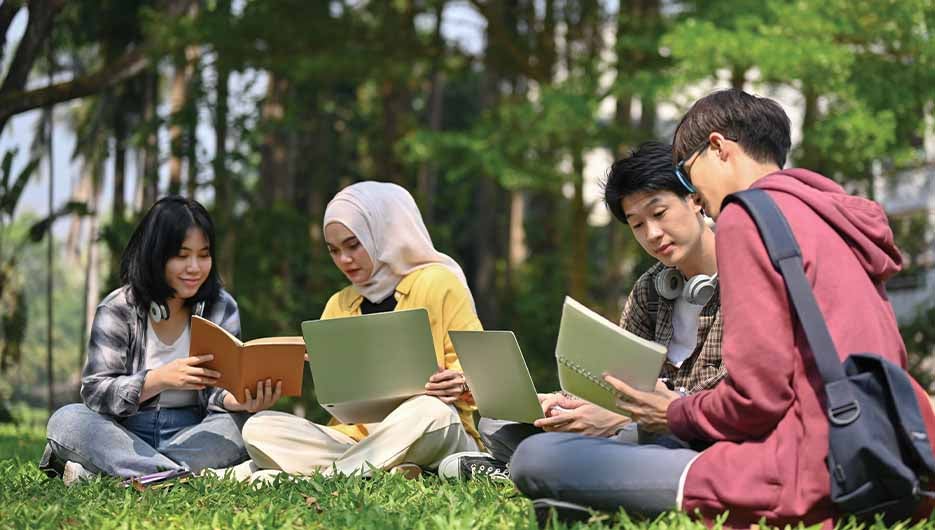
(787, 259)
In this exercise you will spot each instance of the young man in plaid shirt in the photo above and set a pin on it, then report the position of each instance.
(675, 303)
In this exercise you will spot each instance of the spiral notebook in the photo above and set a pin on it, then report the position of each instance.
(589, 345)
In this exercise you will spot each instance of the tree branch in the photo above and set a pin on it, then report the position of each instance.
(131, 64)
(38, 29)
(500, 40)
(8, 11)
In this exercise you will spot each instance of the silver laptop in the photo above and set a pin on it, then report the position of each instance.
(497, 375)
(366, 366)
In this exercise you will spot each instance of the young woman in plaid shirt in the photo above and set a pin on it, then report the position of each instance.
(148, 406)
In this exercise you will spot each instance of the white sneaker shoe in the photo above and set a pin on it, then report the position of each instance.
(470, 464)
(240, 472)
(74, 473)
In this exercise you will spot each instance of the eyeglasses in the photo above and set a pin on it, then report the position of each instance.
(684, 174)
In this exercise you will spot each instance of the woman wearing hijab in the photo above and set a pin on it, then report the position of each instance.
(376, 237)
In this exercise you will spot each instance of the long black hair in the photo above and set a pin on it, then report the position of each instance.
(158, 237)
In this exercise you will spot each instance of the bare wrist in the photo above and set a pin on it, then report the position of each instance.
(154, 377)
(230, 403)
(152, 385)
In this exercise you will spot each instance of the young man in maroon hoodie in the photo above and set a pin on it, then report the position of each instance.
(766, 422)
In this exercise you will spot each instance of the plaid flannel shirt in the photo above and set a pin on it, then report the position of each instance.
(113, 373)
(704, 368)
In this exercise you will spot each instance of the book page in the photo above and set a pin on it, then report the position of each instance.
(276, 340)
(598, 318)
(589, 345)
(275, 359)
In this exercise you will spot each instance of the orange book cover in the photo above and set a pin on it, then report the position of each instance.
(242, 364)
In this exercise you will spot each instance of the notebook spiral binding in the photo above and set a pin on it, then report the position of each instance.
(578, 369)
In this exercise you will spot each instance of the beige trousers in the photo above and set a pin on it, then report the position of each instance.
(422, 430)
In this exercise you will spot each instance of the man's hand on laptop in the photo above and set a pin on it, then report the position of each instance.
(548, 401)
(582, 417)
(446, 385)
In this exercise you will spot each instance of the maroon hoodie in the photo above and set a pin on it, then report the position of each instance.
(767, 418)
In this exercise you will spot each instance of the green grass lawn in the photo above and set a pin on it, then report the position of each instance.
(29, 500)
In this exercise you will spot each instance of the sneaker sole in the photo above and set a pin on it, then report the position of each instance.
(548, 510)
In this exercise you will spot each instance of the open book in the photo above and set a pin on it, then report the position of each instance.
(242, 364)
(589, 345)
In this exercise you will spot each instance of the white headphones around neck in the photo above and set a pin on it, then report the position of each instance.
(159, 312)
(698, 290)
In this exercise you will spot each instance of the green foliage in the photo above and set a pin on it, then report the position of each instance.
(919, 336)
(10, 191)
(26, 372)
(19, 296)
(862, 67)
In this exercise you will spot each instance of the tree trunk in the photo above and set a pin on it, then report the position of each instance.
(809, 152)
(738, 77)
(120, 164)
(388, 167)
(223, 199)
(518, 251)
(191, 156)
(177, 97)
(484, 248)
(623, 117)
(427, 175)
(613, 276)
(578, 257)
(90, 276)
(647, 116)
(193, 88)
(81, 193)
(50, 262)
(274, 152)
(151, 142)
(38, 29)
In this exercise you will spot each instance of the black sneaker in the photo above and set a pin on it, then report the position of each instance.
(471, 464)
(551, 510)
(50, 463)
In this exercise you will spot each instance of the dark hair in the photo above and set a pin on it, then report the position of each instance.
(648, 168)
(158, 237)
(758, 124)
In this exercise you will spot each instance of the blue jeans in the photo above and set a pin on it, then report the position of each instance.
(149, 441)
(502, 437)
(602, 473)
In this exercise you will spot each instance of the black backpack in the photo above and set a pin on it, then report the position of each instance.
(879, 453)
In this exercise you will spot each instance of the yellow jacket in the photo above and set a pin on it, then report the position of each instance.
(449, 306)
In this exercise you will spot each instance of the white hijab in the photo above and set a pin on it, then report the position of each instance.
(385, 219)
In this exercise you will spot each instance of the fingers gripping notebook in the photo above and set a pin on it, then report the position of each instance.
(589, 345)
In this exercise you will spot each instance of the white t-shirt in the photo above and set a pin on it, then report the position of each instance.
(684, 338)
(159, 354)
(684, 331)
